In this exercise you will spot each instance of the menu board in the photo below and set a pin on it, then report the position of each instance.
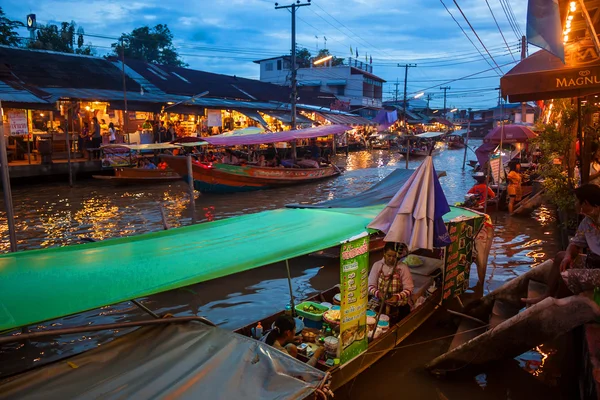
(18, 123)
(459, 257)
(354, 278)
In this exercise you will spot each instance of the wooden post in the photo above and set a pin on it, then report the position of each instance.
(10, 217)
(190, 175)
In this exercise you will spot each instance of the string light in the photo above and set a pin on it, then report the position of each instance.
(572, 8)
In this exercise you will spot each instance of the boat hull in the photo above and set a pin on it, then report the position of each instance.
(140, 176)
(223, 178)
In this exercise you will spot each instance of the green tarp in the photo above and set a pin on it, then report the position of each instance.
(41, 285)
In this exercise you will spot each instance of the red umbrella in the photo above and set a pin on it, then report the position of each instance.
(511, 134)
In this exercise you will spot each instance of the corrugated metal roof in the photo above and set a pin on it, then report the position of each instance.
(11, 94)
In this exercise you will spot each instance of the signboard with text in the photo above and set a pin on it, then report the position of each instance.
(459, 257)
(354, 279)
(17, 121)
(214, 118)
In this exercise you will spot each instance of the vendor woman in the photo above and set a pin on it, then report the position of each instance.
(394, 288)
(282, 336)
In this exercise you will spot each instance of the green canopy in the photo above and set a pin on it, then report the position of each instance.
(41, 285)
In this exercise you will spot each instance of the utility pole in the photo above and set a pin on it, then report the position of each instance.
(293, 7)
(523, 55)
(396, 84)
(406, 67)
(428, 100)
(445, 89)
(467, 141)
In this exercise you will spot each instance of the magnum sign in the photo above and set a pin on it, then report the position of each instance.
(584, 79)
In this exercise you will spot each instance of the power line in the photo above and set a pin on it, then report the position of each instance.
(514, 17)
(467, 36)
(476, 35)
(506, 13)
(350, 30)
(500, 30)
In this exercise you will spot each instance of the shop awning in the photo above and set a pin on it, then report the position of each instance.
(136, 106)
(337, 82)
(543, 76)
(286, 117)
(309, 83)
(254, 115)
(345, 119)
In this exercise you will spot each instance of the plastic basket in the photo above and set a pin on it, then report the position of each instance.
(311, 316)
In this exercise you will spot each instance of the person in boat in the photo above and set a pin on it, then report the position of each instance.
(390, 281)
(274, 162)
(515, 192)
(282, 336)
(308, 161)
(230, 158)
(112, 133)
(595, 165)
(262, 161)
(314, 150)
(480, 188)
(587, 238)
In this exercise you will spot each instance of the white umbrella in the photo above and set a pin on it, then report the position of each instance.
(414, 214)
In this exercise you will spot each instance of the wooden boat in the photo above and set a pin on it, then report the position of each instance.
(381, 345)
(224, 178)
(455, 142)
(126, 175)
(511, 331)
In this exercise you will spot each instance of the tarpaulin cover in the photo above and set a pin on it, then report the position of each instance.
(430, 135)
(40, 285)
(176, 361)
(379, 194)
(275, 137)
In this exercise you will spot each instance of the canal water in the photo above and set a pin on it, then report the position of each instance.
(54, 214)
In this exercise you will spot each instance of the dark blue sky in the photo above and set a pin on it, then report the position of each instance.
(225, 36)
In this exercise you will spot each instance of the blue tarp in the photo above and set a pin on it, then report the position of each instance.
(380, 193)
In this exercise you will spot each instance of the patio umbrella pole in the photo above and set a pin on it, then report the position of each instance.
(467, 141)
(68, 151)
(287, 266)
(10, 217)
(501, 164)
(407, 152)
(487, 182)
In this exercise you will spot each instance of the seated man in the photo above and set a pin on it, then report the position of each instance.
(308, 162)
(586, 237)
(230, 158)
(480, 188)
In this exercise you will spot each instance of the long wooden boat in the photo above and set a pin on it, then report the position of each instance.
(496, 328)
(224, 178)
(128, 175)
(381, 345)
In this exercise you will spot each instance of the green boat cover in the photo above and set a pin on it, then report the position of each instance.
(41, 285)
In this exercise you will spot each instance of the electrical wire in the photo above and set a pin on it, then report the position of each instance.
(500, 30)
(506, 13)
(477, 36)
(467, 36)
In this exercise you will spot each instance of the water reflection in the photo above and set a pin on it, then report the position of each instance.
(56, 215)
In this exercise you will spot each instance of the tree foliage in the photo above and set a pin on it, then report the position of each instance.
(556, 140)
(304, 58)
(335, 61)
(154, 45)
(66, 39)
(8, 35)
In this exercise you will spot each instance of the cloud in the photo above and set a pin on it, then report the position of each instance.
(224, 36)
